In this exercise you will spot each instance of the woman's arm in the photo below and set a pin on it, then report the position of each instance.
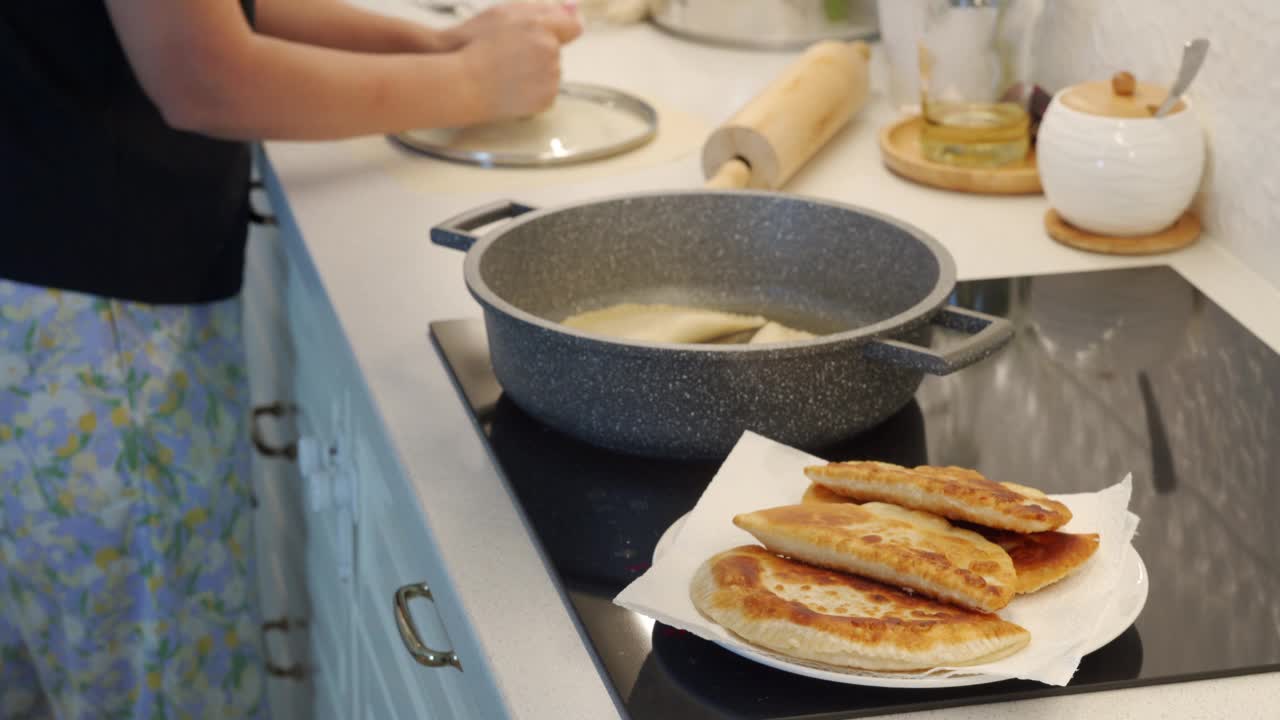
(341, 26)
(208, 72)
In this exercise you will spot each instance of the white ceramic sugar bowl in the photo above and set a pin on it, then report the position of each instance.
(1109, 167)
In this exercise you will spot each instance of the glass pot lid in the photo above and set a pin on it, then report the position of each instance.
(586, 122)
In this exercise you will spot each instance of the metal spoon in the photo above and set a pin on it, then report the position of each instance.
(1192, 57)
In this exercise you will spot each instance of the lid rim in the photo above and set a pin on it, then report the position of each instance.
(604, 95)
(1098, 98)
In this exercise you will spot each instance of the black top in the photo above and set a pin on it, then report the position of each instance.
(97, 193)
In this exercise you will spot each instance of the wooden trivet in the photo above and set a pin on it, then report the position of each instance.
(1178, 235)
(900, 150)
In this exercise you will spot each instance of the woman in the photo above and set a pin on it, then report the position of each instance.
(125, 526)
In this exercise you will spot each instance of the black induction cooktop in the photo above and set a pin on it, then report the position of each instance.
(1110, 372)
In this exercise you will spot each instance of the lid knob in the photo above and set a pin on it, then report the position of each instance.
(1123, 84)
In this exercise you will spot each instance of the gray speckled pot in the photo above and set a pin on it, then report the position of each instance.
(871, 284)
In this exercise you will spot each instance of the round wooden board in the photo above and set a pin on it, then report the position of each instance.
(900, 150)
(1178, 235)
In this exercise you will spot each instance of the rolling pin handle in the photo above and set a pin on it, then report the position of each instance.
(734, 174)
(777, 132)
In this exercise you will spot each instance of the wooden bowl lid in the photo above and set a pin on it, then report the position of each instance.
(1120, 97)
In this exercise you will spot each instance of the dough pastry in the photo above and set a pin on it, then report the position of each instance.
(816, 493)
(952, 492)
(827, 617)
(662, 323)
(896, 546)
(1041, 559)
(773, 332)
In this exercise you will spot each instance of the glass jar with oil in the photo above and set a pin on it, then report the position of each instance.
(974, 69)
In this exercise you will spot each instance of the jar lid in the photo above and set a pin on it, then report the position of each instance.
(1121, 97)
(585, 122)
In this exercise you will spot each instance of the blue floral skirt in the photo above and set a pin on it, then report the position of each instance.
(126, 528)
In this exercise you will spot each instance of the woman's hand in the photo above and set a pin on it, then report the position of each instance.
(560, 18)
(512, 55)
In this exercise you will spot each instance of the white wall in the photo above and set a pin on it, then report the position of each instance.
(1237, 95)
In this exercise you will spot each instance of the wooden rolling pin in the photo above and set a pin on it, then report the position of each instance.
(772, 136)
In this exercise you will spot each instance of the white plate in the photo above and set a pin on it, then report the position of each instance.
(1133, 572)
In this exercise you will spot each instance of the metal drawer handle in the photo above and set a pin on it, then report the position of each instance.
(282, 625)
(276, 409)
(409, 633)
(256, 217)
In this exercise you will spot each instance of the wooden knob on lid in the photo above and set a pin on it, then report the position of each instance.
(1122, 83)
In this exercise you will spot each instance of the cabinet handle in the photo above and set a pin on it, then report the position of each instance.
(281, 625)
(409, 632)
(259, 218)
(276, 409)
(284, 624)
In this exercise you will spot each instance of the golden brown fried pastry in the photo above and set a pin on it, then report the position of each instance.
(896, 546)
(841, 620)
(815, 493)
(1041, 559)
(952, 492)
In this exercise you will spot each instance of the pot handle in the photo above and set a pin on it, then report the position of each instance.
(455, 232)
(989, 333)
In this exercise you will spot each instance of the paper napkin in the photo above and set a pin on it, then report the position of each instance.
(1063, 619)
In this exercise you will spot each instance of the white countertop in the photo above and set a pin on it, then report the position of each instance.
(365, 234)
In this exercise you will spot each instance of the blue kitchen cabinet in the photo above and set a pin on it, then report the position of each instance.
(346, 534)
(279, 520)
